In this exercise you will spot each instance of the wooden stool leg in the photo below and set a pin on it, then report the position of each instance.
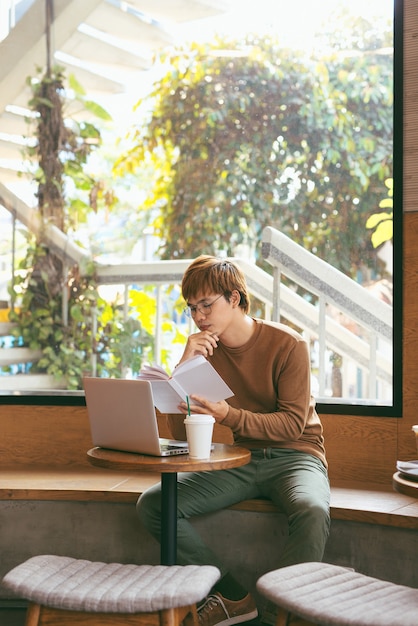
(32, 614)
(175, 617)
(38, 615)
(282, 617)
(194, 618)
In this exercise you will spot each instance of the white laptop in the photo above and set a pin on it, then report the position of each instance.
(122, 417)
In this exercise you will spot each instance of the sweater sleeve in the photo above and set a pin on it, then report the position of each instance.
(294, 404)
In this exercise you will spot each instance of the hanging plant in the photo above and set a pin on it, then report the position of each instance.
(60, 311)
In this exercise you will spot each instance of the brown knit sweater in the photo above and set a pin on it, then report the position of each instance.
(270, 377)
(272, 404)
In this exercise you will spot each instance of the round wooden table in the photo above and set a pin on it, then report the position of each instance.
(223, 456)
(404, 485)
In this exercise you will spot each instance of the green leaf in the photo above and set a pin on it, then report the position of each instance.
(383, 233)
(76, 313)
(97, 110)
(145, 307)
(76, 86)
(376, 218)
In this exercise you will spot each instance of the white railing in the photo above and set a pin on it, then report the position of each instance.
(369, 348)
(330, 286)
(365, 351)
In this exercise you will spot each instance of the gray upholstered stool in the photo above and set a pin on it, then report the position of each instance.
(330, 595)
(63, 591)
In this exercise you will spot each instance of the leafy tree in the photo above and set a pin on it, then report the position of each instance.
(247, 134)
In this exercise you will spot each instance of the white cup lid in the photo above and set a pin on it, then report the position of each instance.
(199, 418)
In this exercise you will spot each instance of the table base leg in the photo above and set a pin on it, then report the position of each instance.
(168, 518)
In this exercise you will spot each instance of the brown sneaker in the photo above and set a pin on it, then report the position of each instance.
(223, 612)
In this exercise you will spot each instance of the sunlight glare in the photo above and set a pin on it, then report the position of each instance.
(294, 22)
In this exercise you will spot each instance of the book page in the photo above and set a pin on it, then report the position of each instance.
(156, 372)
(166, 399)
(203, 380)
(189, 364)
(153, 372)
(194, 376)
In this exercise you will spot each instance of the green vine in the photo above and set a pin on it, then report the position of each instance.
(58, 310)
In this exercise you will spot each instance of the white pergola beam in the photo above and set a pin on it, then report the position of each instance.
(25, 47)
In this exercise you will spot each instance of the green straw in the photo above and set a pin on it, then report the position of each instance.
(188, 405)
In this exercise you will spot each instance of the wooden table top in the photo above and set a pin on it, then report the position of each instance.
(223, 456)
(404, 485)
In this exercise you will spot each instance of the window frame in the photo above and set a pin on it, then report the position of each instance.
(69, 398)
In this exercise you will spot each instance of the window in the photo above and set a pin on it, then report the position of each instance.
(271, 137)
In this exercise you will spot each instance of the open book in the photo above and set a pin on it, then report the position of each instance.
(194, 376)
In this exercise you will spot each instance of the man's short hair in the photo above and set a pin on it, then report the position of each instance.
(209, 274)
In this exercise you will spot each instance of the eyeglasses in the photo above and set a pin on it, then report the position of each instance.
(204, 308)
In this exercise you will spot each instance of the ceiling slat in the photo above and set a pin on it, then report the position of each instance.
(105, 43)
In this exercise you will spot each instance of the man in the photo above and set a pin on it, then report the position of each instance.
(272, 413)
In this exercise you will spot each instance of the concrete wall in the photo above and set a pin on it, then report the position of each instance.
(250, 543)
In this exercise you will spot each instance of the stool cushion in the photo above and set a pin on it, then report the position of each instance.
(335, 596)
(78, 585)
